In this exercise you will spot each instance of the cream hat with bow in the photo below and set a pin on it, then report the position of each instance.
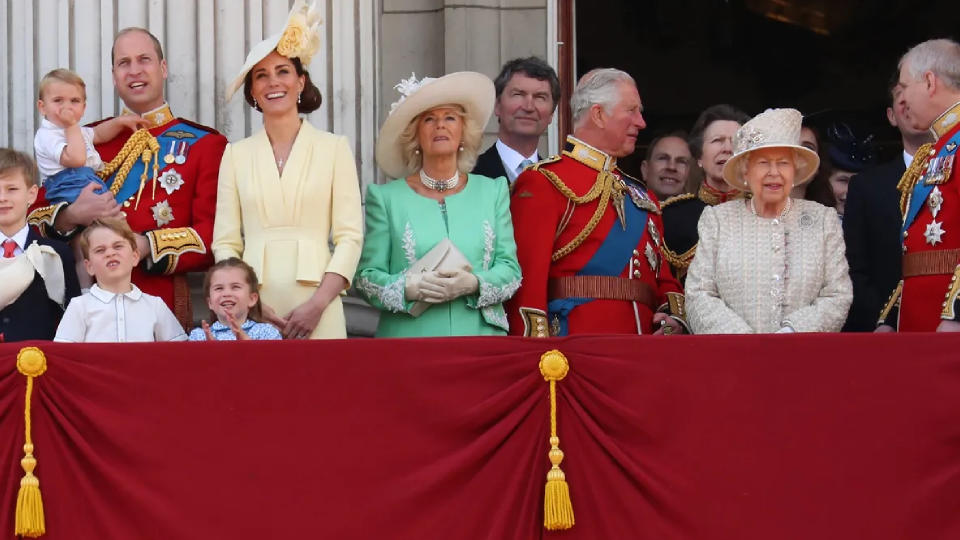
(472, 91)
(300, 38)
(773, 128)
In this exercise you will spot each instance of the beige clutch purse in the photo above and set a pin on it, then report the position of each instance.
(443, 257)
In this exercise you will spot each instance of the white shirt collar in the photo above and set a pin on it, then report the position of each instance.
(20, 237)
(907, 158)
(512, 159)
(46, 124)
(107, 296)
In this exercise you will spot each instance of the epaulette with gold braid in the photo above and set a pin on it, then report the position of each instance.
(43, 215)
(677, 198)
(546, 161)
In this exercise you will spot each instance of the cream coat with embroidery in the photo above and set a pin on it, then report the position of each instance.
(282, 225)
(402, 226)
(756, 275)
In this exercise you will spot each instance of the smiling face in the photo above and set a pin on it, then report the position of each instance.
(525, 107)
(109, 257)
(15, 199)
(230, 293)
(717, 148)
(440, 131)
(138, 72)
(769, 175)
(62, 103)
(667, 169)
(276, 85)
(839, 182)
(912, 97)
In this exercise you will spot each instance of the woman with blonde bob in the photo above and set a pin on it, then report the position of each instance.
(769, 263)
(439, 257)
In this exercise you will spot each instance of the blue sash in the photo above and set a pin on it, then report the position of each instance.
(608, 260)
(183, 132)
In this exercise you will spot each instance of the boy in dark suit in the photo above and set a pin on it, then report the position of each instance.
(38, 275)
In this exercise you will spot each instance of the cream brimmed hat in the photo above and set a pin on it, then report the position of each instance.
(773, 128)
(472, 91)
(300, 38)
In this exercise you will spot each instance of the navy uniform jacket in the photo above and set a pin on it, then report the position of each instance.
(871, 229)
(34, 315)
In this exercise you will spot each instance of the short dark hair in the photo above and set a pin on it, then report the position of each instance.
(678, 133)
(130, 30)
(12, 160)
(530, 66)
(710, 115)
(310, 98)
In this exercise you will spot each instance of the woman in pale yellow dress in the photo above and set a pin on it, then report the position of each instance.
(290, 189)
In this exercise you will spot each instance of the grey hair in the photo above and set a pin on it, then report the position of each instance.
(941, 56)
(597, 87)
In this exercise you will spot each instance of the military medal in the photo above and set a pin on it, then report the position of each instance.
(168, 159)
(162, 213)
(938, 170)
(171, 181)
(951, 147)
(654, 233)
(935, 201)
(651, 258)
(640, 199)
(182, 155)
(934, 232)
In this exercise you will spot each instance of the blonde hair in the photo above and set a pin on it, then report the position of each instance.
(466, 159)
(65, 76)
(117, 225)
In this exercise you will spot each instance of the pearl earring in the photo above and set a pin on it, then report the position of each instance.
(298, 97)
(461, 147)
(417, 151)
(255, 104)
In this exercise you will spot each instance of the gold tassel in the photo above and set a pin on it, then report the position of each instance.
(557, 507)
(29, 516)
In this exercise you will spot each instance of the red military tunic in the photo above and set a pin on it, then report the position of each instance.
(931, 234)
(585, 271)
(176, 210)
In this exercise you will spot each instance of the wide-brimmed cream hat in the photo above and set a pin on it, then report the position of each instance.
(472, 91)
(773, 128)
(299, 38)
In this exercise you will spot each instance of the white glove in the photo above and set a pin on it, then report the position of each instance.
(412, 290)
(440, 287)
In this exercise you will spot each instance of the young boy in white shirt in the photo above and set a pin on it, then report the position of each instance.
(115, 310)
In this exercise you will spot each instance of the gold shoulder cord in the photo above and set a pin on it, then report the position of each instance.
(140, 145)
(602, 188)
(910, 178)
(677, 198)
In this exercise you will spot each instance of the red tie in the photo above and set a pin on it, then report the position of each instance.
(8, 247)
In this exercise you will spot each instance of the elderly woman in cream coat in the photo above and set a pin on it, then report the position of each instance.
(769, 263)
(288, 189)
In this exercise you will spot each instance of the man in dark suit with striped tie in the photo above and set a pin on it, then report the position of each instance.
(528, 91)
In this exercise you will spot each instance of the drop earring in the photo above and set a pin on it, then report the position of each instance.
(255, 104)
(298, 97)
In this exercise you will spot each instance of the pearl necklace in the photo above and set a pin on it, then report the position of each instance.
(440, 185)
(786, 208)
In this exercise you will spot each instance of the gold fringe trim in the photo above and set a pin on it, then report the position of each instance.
(557, 507)
(911, 176)
(29, 519)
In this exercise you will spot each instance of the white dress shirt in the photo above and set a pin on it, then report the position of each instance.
(907, 158)
(20, 237)
(512, 159)
(104, 317)
(49, 143)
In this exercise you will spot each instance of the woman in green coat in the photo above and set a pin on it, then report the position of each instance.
(439, 257)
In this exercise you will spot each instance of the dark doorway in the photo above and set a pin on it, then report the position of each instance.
(830, 59)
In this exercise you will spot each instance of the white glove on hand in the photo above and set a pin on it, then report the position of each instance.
(440, 287)
(412, 290)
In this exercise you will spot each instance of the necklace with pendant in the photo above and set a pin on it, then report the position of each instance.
(440, 185)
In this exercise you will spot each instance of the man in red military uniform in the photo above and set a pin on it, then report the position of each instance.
(927, 298)
(165, 182)
(588, 236)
